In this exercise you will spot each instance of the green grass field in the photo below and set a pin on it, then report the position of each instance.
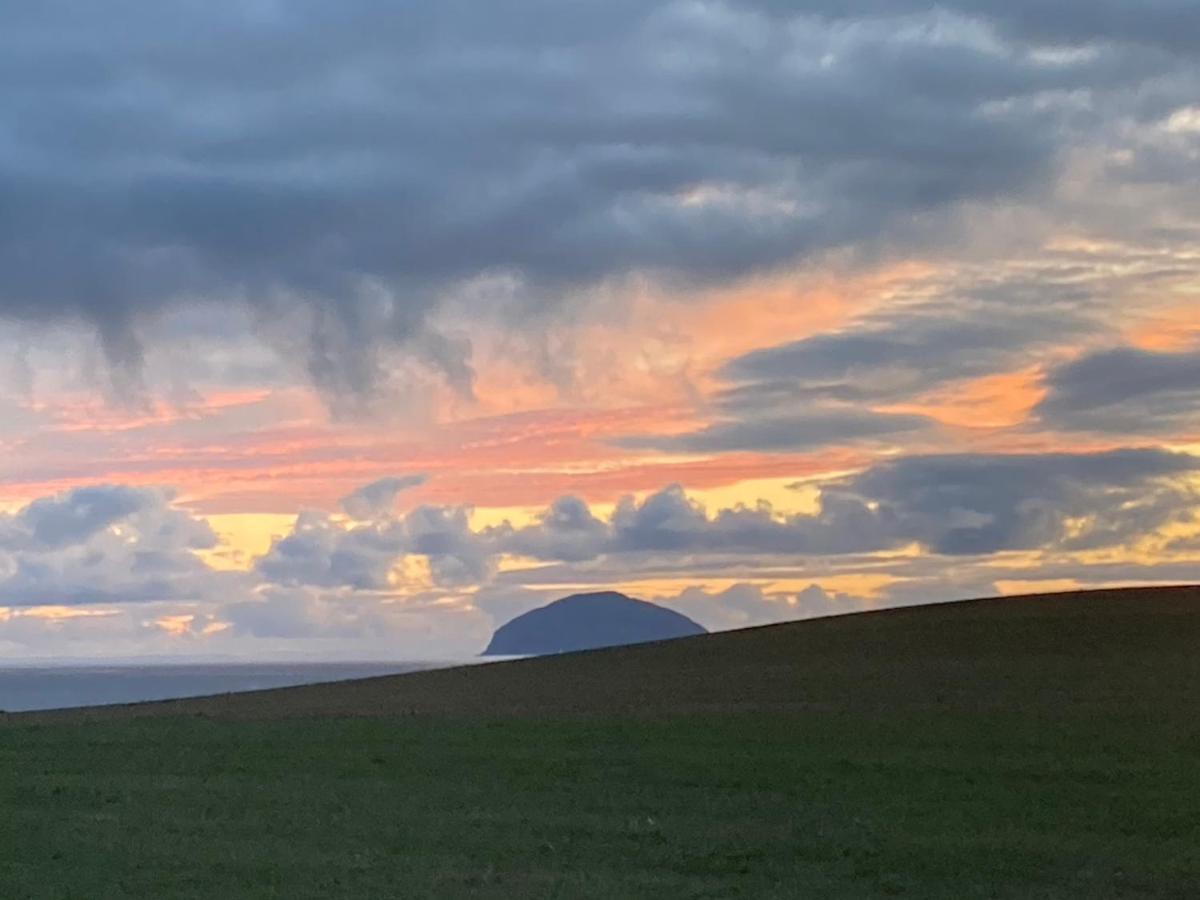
(1025, 748)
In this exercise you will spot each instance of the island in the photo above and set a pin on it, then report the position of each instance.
(588, 622)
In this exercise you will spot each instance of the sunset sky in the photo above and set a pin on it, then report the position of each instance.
(351, 330)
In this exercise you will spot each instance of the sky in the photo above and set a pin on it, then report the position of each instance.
(353, 330)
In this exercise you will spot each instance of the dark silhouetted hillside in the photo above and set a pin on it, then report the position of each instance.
(1129, 652)
(588, 622)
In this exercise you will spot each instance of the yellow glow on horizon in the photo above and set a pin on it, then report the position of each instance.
(176, 626)
(182, 624)
(523, 516)
(860, 585)
(411, 574)
(803, 499)
(493, 516)
(787, 496)
(1018, 586)
(53, 613)
(243, 537)
(520, 564)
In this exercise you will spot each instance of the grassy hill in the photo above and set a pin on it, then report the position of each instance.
(1022, 747)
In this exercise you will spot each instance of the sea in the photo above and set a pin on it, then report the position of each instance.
(28, 686)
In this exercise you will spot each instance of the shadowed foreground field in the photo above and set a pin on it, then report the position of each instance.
(1032, 747)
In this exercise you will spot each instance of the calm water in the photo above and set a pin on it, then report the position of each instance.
(35, 687)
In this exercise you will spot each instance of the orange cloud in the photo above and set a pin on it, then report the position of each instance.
(993, 401)
(1168, 331)
(645, 342)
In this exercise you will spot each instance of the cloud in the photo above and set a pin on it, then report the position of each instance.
(443, 535)
(567, 531)
(81, 563)
(353, 168)
(952, 505)
(320, 552)
(835, 388)
(980, 503)
(741, 605)
(1167, 25)
(123, 545)
(893, 357)
(349, 623)
(74, 517)
(104, 544)
(298, 613)
(821, 427)
(1124, 390)
(746, 605)
(375, 500)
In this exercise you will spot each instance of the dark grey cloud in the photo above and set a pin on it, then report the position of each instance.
(1124, 390)
(820, 390)
(118, 545)
(360, 162)
(74, 517)
(104, 544)
(787, 433)
(897, 357)
(567, 531)
(115, 546)
(1169, 25)
(321, 553)
(983, 503)
(318, 552)
(443, 535)
(951, 505)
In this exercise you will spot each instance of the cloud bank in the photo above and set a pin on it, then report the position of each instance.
(354, 167)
